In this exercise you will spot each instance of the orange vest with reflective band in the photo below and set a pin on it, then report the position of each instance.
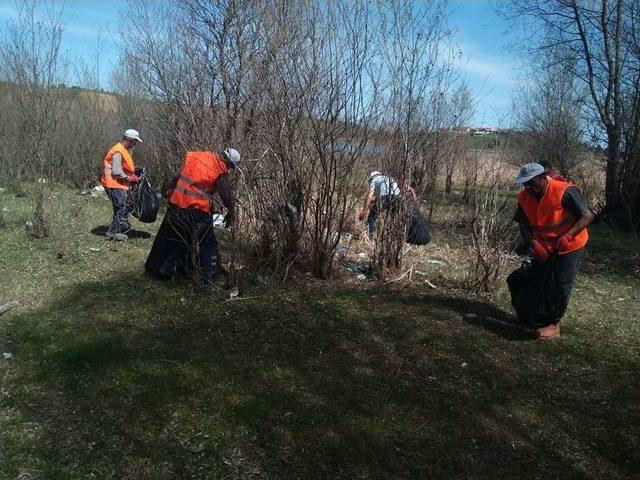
(196, 183)
(549, 219)
(108, 180)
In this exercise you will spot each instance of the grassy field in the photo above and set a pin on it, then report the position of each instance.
(116, 376)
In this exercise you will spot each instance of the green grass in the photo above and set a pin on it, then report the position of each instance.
(116, 376)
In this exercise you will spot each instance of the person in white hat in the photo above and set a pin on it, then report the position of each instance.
(383, 193)
(118, 174)
(553, 217)
(185, 241)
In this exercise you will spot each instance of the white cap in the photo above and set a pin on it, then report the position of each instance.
(132, 134)
(375, 173)
(232, 155)
(529, 171)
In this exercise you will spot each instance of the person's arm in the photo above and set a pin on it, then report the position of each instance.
(573, 201)
(412, 194)
(223, 187)
(169, 187)
(118, 172)
(526, 232)
(368, 201)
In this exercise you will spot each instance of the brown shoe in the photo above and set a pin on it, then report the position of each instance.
(549, 332)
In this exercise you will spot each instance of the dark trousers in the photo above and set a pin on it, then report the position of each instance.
(185, 243)
(118, 199)
(539, 295)
(568, 266)
(388, 202)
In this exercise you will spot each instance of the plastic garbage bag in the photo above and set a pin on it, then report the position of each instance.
(536, 292)
(143, 199)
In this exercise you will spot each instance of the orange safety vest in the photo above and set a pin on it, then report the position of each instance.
(197, 180)
(108, 180)
(549, 219)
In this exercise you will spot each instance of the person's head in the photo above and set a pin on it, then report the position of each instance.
(231, 157)
(130, 138)
(373, 175)
(533, 178)
(546, 165)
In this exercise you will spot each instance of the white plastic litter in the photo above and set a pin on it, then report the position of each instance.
(7, 355)
(218, 220)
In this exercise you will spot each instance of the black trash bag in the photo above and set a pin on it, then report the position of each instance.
(536, 293)
(418, 230)
(143, 200)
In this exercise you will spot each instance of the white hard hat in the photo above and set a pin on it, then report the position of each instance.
(232, 155)
(375, 173)
(132, 134)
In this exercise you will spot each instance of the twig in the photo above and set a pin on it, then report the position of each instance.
(430, 284)
(236, 299)
(401, 276)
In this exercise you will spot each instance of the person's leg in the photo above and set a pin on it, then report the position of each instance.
(371, 219)
(118, 202)
(178, 239)
(567, 266)
(567, 270)
(207, 249)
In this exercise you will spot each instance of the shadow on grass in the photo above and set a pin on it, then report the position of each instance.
(133, 379)
(101, 230)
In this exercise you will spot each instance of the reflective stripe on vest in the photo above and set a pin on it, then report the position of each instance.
(549, 219)
(196, 182)
(108, 180)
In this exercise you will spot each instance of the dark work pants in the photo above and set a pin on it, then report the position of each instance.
(185, 243)
(118, 199)
(388, 202)
(567, 270)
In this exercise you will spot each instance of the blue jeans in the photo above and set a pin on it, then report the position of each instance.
(118, 199)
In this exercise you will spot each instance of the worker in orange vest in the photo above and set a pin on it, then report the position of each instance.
(185, 242)
(553, 217)
(118, 173)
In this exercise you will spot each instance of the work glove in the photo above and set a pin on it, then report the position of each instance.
(563, 242)
(539, 250)
(362, 214)
(133, 178)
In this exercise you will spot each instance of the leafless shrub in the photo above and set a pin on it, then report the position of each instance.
(493, 230)
(39, 226)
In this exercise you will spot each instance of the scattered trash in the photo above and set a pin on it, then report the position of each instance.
(464, 365)
(341, 237)
(355, 267)
(342, 248)
(7, 355)
(233, 293)
(361, 276)
(261, 279)
(218, 220)
(2, 189)
(435, 262)
(363, 255)
(28, 224)
(419, 272)
(94, 249)
(94, 192)
(42, 180)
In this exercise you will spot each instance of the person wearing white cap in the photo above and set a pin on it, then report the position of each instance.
(118, 173)
(185, 240)
(553, 217)
(383, 194)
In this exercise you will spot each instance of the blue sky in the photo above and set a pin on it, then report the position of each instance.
(478, 34)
